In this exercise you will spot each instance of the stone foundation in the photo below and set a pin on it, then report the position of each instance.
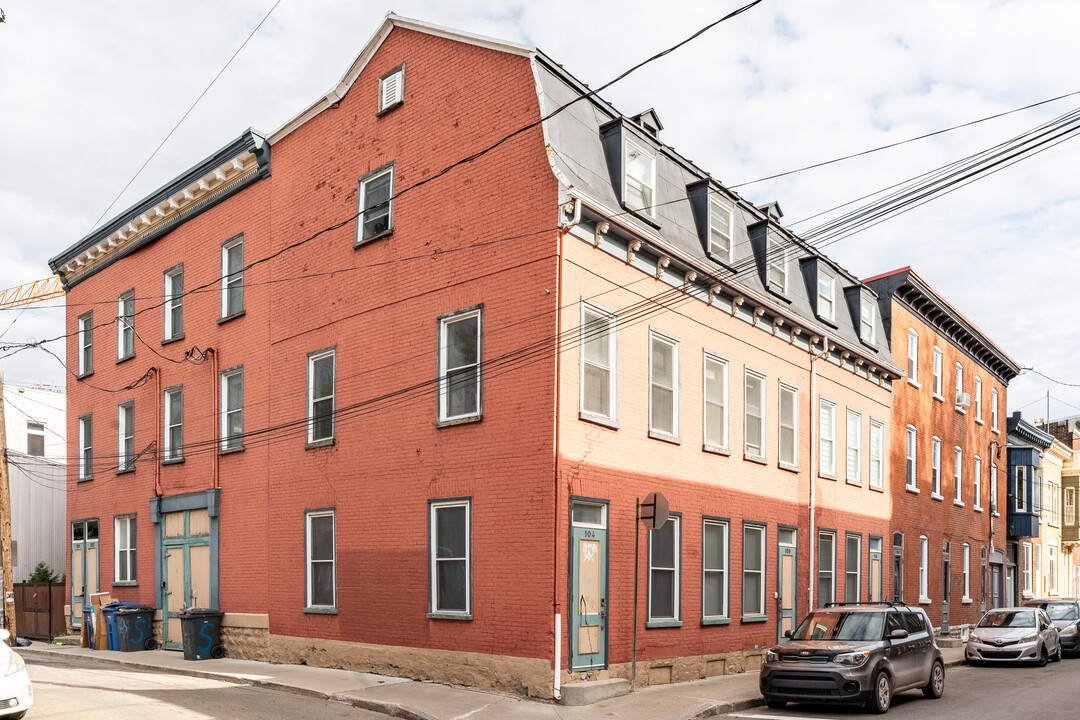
(665, 671)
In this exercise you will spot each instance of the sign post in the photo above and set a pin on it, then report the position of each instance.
(653, 513)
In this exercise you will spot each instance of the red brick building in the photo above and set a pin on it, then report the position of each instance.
(392, 418)
(949, 479)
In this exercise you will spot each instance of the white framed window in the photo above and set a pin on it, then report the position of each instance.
(754, 414)
(665, 549)
(639, 186)
(1025, 573)
(232, 277)
(1021, 493)
(924, 563)
(715, 393)
(993, 488)
(125, 435)
(868, 320)
(958, 476)
(375, 205)
(959, 381)
(720, 230)
(937, 372)
(826, 568)
(994, 409)
(967, 574)
(826, 296)
(174, 423)
(935, 469)
(913, 356)
(877, 454)
(976, 483)
(789, 425)
(232, 408)
(392, 89)
(853, 568)
(714, 573)
(910, 471)
(978, 399)
(451, 558)
(86, 343)
(827, 439)
(776, 262)
(173, 306)
(321, 395)
(663, 385)
(1051, 585)
(460, 355)
(35, 438)
(321, 560)
(753, 570)
(86, 446)
(125, 325)
(1070, 506)
(854, 447)
(1038, 578)
(599, 369)
(124, 558)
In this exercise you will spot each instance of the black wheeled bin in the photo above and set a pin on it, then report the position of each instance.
(201, 632)
(135, 627)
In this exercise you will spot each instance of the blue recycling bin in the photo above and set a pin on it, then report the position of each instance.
(88, 623)
(111, 627)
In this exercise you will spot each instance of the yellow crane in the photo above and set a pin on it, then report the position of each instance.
(31, 292)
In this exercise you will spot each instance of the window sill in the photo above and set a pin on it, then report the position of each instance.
(936, 496)
(995, 431)
(958, 503)
(126, 583)
(84, 479)
(320, 611)
(961, 410)
(830, 321)
(857, 482)
(826, 476)
(174, 338)
(367, 241)
(915, 383)
(778, 293)
(923, 600)
(997, 514)
(754, 618)
(227, 318)
(449, 616)
(877, 488)
(966, 601)
(657, 435)
(598, 420)
(715, 449)
(759, 459)
(125, 471)
(649, 624)
(638, 214)
(977, 508)
(459, 421)
(716, 621)
(84, 375)
(788, 466)
(912, 489)
(312, 445)
(231, 451)
(125, 358)
(939, 398)
(980, 421)
(870, 343)
(173, 461)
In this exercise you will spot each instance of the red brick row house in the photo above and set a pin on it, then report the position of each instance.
(394, 419)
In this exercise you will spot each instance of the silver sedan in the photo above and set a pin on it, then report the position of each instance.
(1014, 635)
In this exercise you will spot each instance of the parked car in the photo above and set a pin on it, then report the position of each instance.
(16, 692)
(1065, 614)
(1016, 634)
(855, 653)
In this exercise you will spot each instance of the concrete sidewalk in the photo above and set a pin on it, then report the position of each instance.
(413, 700)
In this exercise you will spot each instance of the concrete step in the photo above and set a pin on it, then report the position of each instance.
(593, 691)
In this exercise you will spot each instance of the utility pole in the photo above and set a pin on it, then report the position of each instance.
(5, 522)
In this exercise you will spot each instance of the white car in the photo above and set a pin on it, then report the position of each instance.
(16, 693)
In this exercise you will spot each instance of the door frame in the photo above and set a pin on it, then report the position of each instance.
(571, 566)
(783, 549)
(946, 583)
(871, 556)
(77, 619)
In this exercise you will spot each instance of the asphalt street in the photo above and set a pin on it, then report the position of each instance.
(70, 690)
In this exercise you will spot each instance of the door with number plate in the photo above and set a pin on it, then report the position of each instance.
(588, 571)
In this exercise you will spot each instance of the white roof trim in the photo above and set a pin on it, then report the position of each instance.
(336, 93)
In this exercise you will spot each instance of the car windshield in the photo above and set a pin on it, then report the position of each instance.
(1005, 619)
(841, 625)
(1062, 611)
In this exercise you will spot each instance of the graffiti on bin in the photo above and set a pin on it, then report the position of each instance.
(209, 638)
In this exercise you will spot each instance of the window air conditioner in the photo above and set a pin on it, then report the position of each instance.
(963, 400)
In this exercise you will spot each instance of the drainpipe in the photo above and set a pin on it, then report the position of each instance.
(813, 471)
(158, 432)
(215, 394)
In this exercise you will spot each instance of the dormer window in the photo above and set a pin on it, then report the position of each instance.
(640, 181)
(392, 89)
(826, 296)
(720, 222)
(776, 260)
(867, 320)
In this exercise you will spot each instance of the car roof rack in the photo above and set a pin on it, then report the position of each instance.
(881, 603)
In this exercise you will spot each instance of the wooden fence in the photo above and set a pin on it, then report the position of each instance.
(39, 610)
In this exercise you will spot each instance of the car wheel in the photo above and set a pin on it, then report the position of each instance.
(936, 687)
(882, 697)
(17, 716)
(1057, 655)
(776, 704)
(1044, 657)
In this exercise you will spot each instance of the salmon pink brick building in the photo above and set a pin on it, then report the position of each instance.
(391, 418)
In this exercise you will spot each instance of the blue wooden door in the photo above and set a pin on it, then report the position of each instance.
(589, 612)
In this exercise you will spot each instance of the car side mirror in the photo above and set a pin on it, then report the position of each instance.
(898, 634)
(788, 634)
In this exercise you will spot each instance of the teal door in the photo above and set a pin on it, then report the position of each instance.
(84, 566)
(588, 572)
(786, 587)
(186, 570)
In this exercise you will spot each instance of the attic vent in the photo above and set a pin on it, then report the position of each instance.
(650, 122)
(772, 209)
(392, 89)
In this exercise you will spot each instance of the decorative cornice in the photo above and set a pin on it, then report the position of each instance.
(226, 172)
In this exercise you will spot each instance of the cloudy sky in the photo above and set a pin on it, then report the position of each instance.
(89, 90)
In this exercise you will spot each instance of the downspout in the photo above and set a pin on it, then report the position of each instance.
(157, 433)
(556, 606)
(813, 472)
(215, 393)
